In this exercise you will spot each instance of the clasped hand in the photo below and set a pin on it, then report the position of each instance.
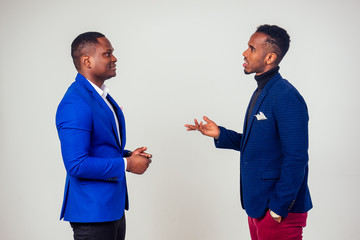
(139, 161)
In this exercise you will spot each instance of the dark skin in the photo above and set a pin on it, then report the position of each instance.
(98, 66)
(259, 58)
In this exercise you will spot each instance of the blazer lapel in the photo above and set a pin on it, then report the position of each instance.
(245, 122)
(121, 119)
(107, 110)
(248, 126)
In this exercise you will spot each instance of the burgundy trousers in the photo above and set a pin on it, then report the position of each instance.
(266, 228)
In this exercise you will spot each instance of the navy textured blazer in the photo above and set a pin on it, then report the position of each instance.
(95, 189)
(273, 152)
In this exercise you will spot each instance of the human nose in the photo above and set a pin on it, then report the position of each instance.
(245, 52)
(114, 59)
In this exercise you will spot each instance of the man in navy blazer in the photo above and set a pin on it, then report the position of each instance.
(91, 129)
(274, 143)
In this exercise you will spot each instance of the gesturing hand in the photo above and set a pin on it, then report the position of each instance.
(209, 129)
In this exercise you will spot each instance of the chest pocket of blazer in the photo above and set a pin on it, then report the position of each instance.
(271, 174)
(266, 128)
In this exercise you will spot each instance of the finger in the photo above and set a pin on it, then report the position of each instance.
(190, 127)
(196, 123)
(143, 149)
(144, 154)
(206, 119)
(148, 163)
(140, 150)
(201, 128)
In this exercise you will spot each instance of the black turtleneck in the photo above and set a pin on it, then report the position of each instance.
(261, 80)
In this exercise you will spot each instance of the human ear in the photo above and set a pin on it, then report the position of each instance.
(270, 58)
(86, 61)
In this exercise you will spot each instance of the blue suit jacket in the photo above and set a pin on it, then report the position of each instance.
(274, 152)
(95, 189)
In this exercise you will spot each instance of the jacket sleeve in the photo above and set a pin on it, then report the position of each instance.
(74, 121)
(292, 120)
(228, 139)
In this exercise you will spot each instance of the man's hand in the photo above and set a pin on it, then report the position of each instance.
(276, 217)
(209, 129)
(139, 161)
(141, 151)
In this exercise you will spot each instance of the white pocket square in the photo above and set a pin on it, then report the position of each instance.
(260, 116)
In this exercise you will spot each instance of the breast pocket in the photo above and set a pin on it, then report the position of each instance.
(266, 126)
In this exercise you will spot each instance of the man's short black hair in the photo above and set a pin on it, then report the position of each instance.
(278, 38)
(82, 44)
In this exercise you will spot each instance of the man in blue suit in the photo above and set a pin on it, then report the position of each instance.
(91, 128)
(274, 143)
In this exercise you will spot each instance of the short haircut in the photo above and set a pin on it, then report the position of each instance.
(84, 44)
(278, 39)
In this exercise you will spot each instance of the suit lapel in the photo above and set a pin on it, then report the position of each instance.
(248, 126)
(107, 110)
(120, 117)
(260, 100)
(245, 121)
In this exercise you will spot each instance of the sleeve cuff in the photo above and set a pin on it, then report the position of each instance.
(125, 164)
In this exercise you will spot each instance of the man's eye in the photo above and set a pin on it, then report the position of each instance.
(252, 49)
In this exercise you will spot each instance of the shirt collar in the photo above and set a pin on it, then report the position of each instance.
(103, 91)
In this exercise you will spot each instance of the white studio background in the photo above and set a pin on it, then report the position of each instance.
(177, 60)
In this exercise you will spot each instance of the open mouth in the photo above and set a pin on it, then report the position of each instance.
(245, 63)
